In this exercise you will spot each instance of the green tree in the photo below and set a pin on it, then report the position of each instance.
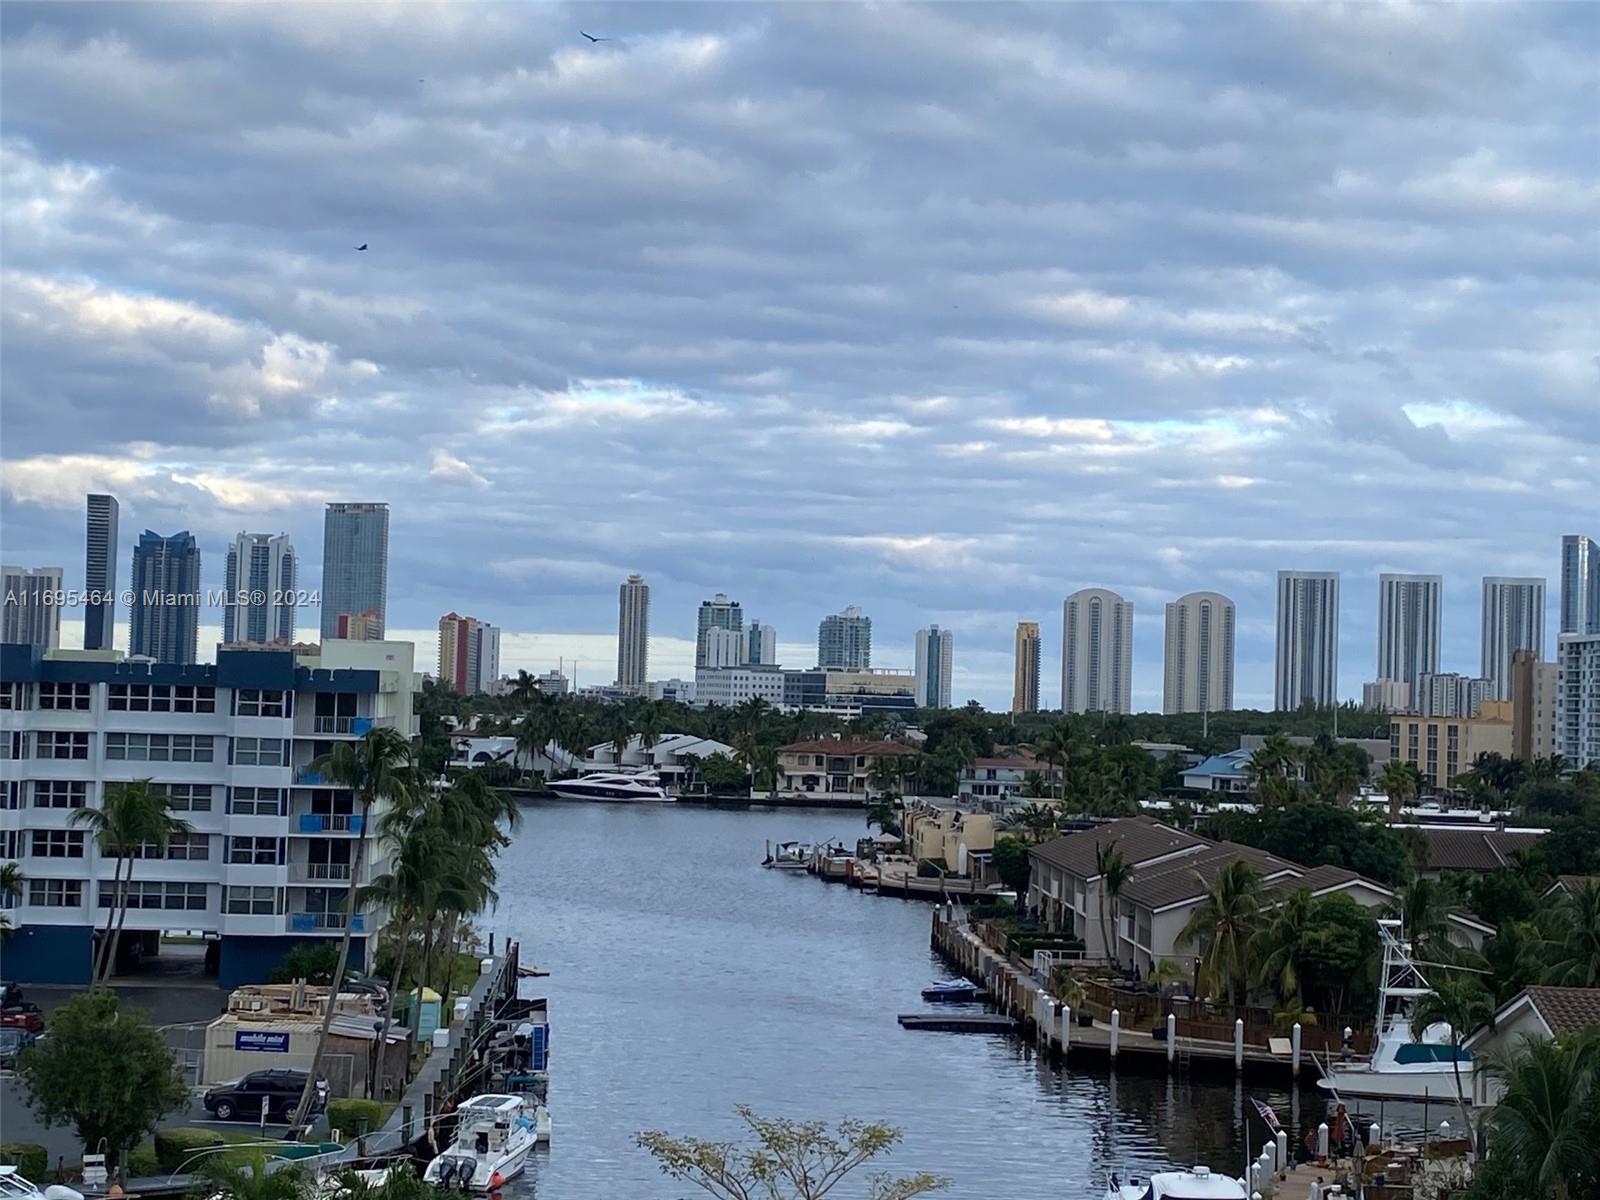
(1038, 821)
(1339, 955)
(1010, 859)
(1400, 782)
(10, 890)
(1544, 1134)
(721, 774)
(1501, 896)
(314, 961)
(1280, 945)
(790, 1160)
(251, 1180)
(1460, 1002)
(104, 1072)
(883, 777)
(1114, 873)
(1054, 747)
(1222, 925)
(1575, 957)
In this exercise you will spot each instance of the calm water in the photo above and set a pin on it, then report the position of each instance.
(686, 979)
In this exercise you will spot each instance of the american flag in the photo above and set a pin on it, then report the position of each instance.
(1267, 1115)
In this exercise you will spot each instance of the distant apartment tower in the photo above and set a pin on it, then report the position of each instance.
(1578, 698)
(1447, 694)
(358, 627)
(1199, 654)
(1386, 695)
(1096, 652)
(1408, 626)
(1513, 620)
(100, 573)
(722, 647)
(716, 613)
(164, 621)
(1025, 675)
(761, 645)
(30, 606)
(844, 640)
(1580, 584)
(260, 584)
(935, 659)
(633, 633)
(1307, 666)
(355, 566)
(1535, 702)
(469, 654)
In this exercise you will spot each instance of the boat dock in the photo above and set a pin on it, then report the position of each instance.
(955, 1022)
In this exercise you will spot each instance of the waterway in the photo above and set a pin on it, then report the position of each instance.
(685, 980)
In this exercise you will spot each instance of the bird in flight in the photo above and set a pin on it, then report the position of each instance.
(363, 246)
(592, 38)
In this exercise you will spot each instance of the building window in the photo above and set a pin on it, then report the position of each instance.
(61, 745)
(154, 894)
(55, 893)
(258, 851)
(257, 802)
(73, 696)
(258, 752)
(157, 697)
(60, 793)
(185, 797)
(181, 847)
(57, 843)
(159, 747)
(254, 702)
(252, 901)
(13, 695)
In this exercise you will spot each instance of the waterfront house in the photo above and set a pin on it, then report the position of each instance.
(833, 766)
(1473, 848)
(948, 834)
(671, 757)
(1536, 1012)
(1228, 772)
(995, 784)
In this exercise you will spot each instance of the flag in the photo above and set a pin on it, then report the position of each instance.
(1266, 1114)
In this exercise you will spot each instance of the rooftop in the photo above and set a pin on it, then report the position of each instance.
(1572, 884)
(1566, 1009)
(1474, 849)
(845, 746)
(1139, 839)
(1192, 875)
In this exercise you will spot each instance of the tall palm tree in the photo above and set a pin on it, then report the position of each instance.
(1054, 747)
(1275, 756)
(883, 776)
(1281, 944)
(1037, 820)
(1577, 950)
(1426, 908)
(407, 890)
(1114, 872)
(1460, 1002)
(1545, 1124)
(1400, 782)
(130, 816)
(10, 889)
(1223, 924)
(649, 724)
(376, 768)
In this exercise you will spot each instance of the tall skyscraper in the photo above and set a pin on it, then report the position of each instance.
(761, 641)
(633, 633)
(100, 573)
(935, 659)
(355, 566)
(1580, 584)
(260, 587)
(30, 606)
(1199, 654)
(1449, 694)
(1308, 639)
(1025, 677)
(716, 613)
(1096, 652)
(1578, 698)
(844, 640)
(723, 647)
(164, 622)
(469, 654)
(1408, 627)
(1513, 619)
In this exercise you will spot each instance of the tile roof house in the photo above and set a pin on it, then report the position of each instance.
(1474, 849)
(1535, 1012)
(832, 766)
(1571, 885)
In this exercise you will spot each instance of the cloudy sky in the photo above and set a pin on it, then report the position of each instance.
(946, 311)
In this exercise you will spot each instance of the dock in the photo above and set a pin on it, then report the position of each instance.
(953, 1022)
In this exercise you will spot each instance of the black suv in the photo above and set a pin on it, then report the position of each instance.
(281, 1090)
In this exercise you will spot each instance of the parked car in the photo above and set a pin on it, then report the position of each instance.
(22, 1015)
(280, 1089)
(365, 985)
(13, 1042)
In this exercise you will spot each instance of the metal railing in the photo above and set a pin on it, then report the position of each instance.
(310, 922)
(315, 872)
(328, 823)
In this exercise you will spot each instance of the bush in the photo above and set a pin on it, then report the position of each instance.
(175, 1147)
(927, 869)
(353, 1116)
(28, 1158)
(143, 1163)
(313, 961)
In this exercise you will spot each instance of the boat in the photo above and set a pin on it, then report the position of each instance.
(788, 856)
(1195, 1183)
(1401, 1065)
(15, 1186)
(644, 787)
(494, 1136)
(951, 989)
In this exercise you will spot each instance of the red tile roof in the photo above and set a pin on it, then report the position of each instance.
(1567, 1009)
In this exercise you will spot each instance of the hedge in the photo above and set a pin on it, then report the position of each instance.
(175, 1147)
(143, 1163)
(29, 1158)
(355, 1116)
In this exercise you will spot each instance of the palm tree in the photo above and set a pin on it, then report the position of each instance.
(1036, 819)
(252, 1180)
(10, 889)
(1223, 924)
(883, 777)
(1281, 944)
(525, 690)
(1426, 909)
(1400, 782)
(1054, 747)
(377, 767)
(1544, 1125)
(1114, 873)
(1460, 1002)
(1276, 756)
(408, 890)
(649, 725)
(1577, 950)
(130, 816)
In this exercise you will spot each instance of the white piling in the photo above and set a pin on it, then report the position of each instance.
(1294, 1050)
(1283, 1150)
(1322, 1140)
(1444, 1130)
(1066, 1027)
(1375, 1136)
(1172, 1035)
(1116, 1028)
(1238, 1044)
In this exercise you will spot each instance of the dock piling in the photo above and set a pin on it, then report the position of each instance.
(1294, 1050)
(1066, 1027)
(1116, 1030)
(1238, 1043)
(1283, 1149)
(1172, 1036)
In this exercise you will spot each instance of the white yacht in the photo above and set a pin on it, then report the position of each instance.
(1196, 1183)
(644, 787)
(494, 1136)
(14, 1186)
(1402, 1066)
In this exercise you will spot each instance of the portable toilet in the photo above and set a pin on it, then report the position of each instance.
(422, 1014)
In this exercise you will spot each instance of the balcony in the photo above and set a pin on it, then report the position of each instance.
(305, 922)
(318, 873)
(328, 823)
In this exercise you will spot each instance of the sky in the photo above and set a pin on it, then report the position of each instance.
(944, 311)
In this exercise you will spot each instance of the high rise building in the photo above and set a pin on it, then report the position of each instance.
(1025, 675)
(761, 643)
(30, 606)
(164, 622)
(355, 566)
(1386, 695)
(1578, 698)
(1096, 652)
(844, 640)
(935, 657)
(469, 654)
(1307, 665)
(1513, 620)
(1408, 626)
(358, 627)
(1580, 584)
(1199, 654)
(1447, 694)
(1535, 705)
(100, 573)
(633, 633)
(259, 606)
(722, 647)
(716, 613)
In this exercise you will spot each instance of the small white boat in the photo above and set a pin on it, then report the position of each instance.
(494, 1136)
(1402, 1066)
(15, 1186)
(644, 787)
(788, 856)
(1196, 1183)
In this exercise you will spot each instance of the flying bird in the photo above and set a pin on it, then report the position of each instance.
(592, 38)
(363, 246)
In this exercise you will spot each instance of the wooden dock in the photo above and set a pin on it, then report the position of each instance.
(954, 1022)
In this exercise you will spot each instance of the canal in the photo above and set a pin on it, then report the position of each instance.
(685, 980)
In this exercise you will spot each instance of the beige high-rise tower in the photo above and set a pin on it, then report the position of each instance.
(633, 633)
(1025, 683)
(1199, 654)
(1096, 652)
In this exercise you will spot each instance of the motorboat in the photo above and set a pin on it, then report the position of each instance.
(494, 1135)
(1195, 1183)
(788, 856)
(15, 1186)
(1402, 1066)
(951, 989)
(643, 787)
